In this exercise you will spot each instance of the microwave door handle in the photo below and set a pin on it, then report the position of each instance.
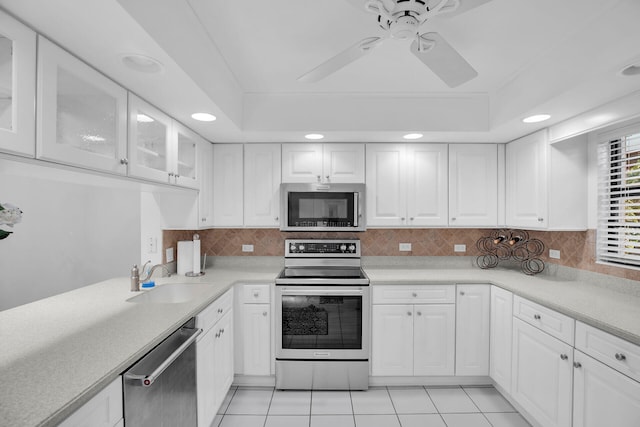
(356, 210)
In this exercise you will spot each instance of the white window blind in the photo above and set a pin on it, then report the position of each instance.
(618, 234)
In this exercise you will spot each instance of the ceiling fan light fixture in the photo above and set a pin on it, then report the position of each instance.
(413, 136)
(536, 118)
(314, 136)
(203, 117)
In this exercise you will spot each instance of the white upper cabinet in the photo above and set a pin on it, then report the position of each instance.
(82, 115)
(337, 163)
(546, 184)
(17, 88)
(227, 185)
(473, 185)
(205, 195)
(150, 139)
(262, 185)
(426, 173)
(406, 184)
(386, 185)
(162, 149)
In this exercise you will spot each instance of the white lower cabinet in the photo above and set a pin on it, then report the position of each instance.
(603, 396)
(253, 335)
(214, 357)
(413, 339)
(501, 336)
(472, 329)
(103, 410)
(542, 375)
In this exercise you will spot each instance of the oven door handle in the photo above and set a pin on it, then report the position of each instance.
(322, 292)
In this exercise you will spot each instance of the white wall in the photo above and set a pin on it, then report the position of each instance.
(75, 230)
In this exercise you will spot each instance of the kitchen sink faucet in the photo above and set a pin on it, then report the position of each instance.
(135, 275)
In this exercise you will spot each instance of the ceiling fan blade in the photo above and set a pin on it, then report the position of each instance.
(342, 59)
(464, 6)
(442, 59)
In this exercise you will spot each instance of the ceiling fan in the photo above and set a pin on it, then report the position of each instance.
(402, 19)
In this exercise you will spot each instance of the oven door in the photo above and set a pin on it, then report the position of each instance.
(322, 322)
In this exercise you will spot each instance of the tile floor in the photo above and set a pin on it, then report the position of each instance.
(376, 407)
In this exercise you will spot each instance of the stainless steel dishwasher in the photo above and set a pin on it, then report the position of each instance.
(160, 389)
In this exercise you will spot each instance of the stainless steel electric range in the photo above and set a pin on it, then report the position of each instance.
(322, 317)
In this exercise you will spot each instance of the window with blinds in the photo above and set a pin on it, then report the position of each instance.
(618, 234)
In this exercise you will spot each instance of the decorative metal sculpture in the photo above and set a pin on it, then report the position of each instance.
(504, 245)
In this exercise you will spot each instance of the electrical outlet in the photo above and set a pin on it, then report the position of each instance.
(460, 248)
(152, 245)
(554, 253)
(169, 254)
(247, 248)
(404, 247)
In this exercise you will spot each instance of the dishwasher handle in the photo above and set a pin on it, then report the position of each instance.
(146, 380)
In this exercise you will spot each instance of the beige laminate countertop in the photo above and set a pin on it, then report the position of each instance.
(57, 353)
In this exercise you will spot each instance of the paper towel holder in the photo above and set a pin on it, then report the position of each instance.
(204, 264)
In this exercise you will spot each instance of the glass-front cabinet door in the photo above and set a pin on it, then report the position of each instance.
(188, 147)
(149, 141)
(17, 87)
(82, 114)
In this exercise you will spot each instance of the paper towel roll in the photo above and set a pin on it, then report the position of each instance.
(185, 256)
(196, 257)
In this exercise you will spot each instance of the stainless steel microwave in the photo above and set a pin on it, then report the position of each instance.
(322, 207)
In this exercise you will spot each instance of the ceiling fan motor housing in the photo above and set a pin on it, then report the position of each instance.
(404, 27)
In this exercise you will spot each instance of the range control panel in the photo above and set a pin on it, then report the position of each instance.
(322, 248)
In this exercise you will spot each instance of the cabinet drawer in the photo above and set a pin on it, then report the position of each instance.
(609, 349)
(256, 294)
(550, 321)
(214, 312)
(410, 294)
(103, 410)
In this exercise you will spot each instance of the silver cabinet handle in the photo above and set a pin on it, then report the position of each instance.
(537, 316)
(171, 173)
(453, 219)
(402, 218)
(414, 294)
(620, 357)
(564, 357)
(540, 219)
(327, 178)
(256, 294)
(462, 293)
(264, 313)
(323, 292)
(124, 161)
(577, 365)
(203, 219)
(276, 219)
(419, 313)
(410, 218)
(408, 313)
(319, 179)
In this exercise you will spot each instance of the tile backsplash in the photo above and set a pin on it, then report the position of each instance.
(577, 248)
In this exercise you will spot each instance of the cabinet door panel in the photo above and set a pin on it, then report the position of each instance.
(472, 329)
(392, 340)
(501, 336)
(262, 185)
(434, 339)
(386, 188)
(343, 163)
(602, 396)
(473, 185)
(223, 356)
(427, 189)
(227, 185)
(301, 162)
(256, 328)
(542, 375)
(17, 89)
(188, 149)
(82, 115)
(526, 183)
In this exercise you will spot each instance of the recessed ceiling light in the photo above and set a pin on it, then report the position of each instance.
(631, 70)
(203, 117)
(413, 136)
(143, 118)
(314, 136)
(536, 118)
(142, 63)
